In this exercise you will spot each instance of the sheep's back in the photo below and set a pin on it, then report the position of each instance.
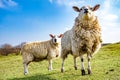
(37, 49)
(66, 41)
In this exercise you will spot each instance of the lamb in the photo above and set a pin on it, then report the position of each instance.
(38, 51)
(83, 38)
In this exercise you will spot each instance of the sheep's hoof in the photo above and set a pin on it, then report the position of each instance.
(89, 71)
(49, 69)
(83, 72)
(75, 68)
(25, 73)
(62, 70)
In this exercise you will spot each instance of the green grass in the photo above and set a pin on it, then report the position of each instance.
(105, 66)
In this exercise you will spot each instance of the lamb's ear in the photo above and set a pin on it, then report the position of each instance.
(76, 8)
(96, 7)
(51, 35)
(60, 35)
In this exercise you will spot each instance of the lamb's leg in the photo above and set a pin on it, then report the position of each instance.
(50, 65)
(25, 68)
(62, 68)
(75, 65)
(89, 67)
(82, 65)
(27, 58)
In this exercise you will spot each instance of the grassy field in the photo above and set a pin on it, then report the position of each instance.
(105, 66)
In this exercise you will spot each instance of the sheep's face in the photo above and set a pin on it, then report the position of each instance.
(56, 39)
(86, 12)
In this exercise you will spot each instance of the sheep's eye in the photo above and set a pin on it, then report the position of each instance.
(91, 8)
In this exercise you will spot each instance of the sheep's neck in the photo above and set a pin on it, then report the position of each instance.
(86, 24)
(83, 31)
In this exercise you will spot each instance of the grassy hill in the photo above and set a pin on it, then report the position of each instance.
(105, 66)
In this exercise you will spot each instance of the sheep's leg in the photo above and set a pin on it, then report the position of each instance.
(25, 68)
(89, 67)
(82, 66)
(62, 68)
(75, 65)
(50, 65)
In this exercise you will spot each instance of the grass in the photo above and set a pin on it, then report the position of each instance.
(105, 66)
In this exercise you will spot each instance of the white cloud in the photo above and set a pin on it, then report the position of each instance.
(51, 1)
(1, 4)
(12, 3)
(109, 22)
(67, 2)
(7, 3)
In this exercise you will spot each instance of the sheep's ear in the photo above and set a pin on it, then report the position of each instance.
(96, 7)
(60, 35)
(51, 35)
(76, 8)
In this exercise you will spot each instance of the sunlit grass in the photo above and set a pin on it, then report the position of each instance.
(105, 66)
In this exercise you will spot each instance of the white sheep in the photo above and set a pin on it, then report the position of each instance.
(83, 38)
(38, 51)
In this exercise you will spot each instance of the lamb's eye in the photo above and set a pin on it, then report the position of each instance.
(80, 9)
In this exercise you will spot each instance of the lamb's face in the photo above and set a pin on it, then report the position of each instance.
(56, 39)
(86, 12)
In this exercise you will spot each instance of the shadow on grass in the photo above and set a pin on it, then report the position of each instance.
(35, 77)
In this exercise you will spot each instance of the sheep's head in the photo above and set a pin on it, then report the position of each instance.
(86, 12)
(56, 39)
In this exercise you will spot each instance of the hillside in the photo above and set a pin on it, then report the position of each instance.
(105, 66)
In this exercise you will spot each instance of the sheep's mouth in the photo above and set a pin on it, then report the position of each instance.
(86, 16)
(86, 13)
(55, 43)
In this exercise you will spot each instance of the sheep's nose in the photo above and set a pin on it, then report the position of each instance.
(55, 40)
(85, 10)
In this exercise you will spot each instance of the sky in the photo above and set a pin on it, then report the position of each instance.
(33, 20)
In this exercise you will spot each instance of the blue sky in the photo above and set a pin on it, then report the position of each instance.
(33, 20)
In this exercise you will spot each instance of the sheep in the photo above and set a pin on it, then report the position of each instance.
(38, 51)
(83, 38)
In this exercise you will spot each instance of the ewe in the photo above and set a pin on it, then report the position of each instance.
(83, 38)
(38, 51)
